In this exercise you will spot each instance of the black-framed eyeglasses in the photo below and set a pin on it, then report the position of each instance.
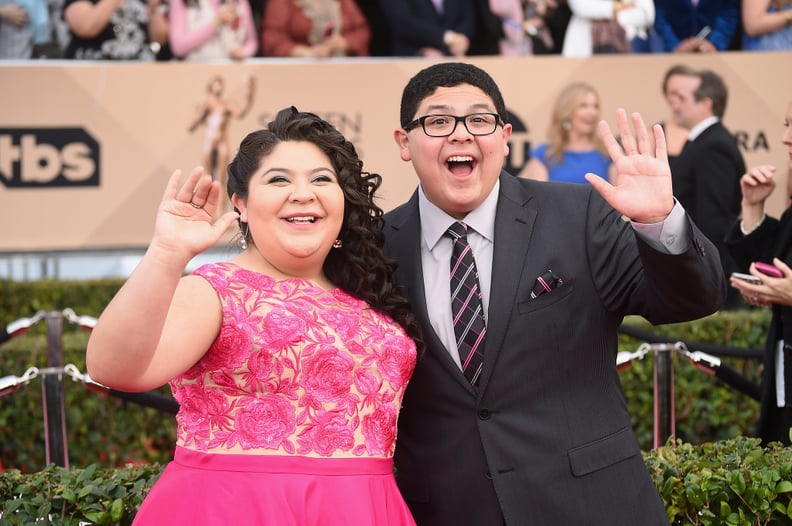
(444, 125)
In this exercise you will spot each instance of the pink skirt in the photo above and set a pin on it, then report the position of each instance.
(214, 489)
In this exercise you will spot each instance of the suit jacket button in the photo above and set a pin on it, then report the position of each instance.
(484, 414)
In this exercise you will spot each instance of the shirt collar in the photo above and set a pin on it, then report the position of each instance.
(696, 130)
(435, 222)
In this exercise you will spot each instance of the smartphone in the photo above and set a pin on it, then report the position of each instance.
(750, 278)
(705, 31)
(769, 270)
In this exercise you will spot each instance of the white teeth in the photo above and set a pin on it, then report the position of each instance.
(460, 159)
(307, 219)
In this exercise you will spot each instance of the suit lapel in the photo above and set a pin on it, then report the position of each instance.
(514, 223)
(406, 239)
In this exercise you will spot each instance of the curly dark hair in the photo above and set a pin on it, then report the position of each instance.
(359, 268)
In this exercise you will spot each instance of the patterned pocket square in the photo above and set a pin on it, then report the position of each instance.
(545, 283)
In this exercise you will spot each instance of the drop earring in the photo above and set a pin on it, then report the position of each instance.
(566, 125)
(243, 228)
(338, 243)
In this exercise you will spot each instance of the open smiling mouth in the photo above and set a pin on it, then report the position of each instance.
(460, 164)
(302, 220)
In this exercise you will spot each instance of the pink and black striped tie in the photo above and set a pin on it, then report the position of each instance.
(466, 307)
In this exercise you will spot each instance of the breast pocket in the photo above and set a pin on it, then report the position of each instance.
(545, 300)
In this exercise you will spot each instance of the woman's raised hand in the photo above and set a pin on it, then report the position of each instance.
(185, 224)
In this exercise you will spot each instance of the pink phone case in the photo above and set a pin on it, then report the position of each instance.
(768, 270)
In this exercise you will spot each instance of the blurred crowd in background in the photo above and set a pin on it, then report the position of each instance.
(202, 30)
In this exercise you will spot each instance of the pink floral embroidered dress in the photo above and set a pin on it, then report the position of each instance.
(290, 417)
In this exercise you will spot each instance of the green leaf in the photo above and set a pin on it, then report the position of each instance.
(86, 490)
(69, 495)
(117, 510)
(737, 481)
(784, 486)
(98, 517)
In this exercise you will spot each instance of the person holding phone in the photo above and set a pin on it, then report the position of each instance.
(697, 26)
(762, 245)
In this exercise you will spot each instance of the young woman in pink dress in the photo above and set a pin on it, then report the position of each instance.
(289, 361)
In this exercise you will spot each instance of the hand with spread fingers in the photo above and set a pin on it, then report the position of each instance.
(643, 191)
(184, 225)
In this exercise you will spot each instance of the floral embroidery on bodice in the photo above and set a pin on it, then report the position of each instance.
(295, 370)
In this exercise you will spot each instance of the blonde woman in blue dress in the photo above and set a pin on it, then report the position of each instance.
(573, 146)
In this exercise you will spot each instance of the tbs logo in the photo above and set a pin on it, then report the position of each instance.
(48, 157)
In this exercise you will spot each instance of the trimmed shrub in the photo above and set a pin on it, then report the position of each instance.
(734, 482)
(60, 496)
(113, 432)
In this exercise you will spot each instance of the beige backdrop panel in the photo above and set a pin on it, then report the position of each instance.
(139, 114)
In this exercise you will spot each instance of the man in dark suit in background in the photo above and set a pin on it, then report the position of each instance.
(429, 28)
(706, 174)
(538, 432)
(698, 26)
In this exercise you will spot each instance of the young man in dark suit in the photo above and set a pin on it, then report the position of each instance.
(706, 174)
(535, 429)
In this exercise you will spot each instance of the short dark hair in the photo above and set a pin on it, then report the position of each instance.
(712, 87)
(677, 69)
(446, 75)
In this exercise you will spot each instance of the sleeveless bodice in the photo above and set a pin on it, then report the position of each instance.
(295, 370)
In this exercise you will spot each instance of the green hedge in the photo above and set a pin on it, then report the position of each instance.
(734, 482)
(59, 496)
(100, 429)
(112, 433)
(706, 408)
(713, 474)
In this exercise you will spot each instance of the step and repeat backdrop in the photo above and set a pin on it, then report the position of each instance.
(86, 148)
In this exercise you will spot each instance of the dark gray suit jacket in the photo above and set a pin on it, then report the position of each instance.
(547, 438)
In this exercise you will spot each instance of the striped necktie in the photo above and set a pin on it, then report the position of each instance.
(466, 306)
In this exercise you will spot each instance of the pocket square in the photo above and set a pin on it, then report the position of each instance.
(545, 283)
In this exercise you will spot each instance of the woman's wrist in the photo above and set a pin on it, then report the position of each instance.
(751, 226)
(751, 216)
